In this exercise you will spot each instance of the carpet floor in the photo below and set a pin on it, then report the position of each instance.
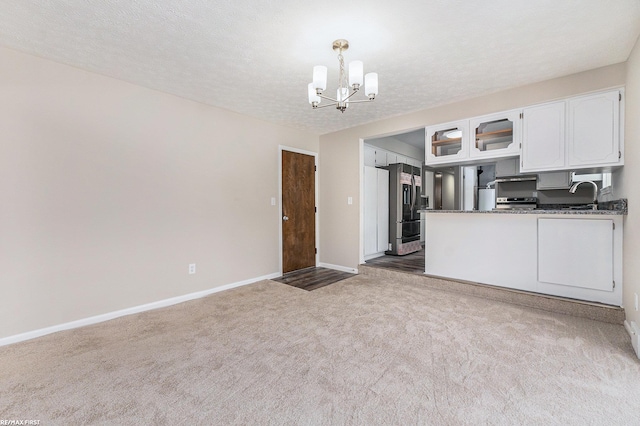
(362, 351)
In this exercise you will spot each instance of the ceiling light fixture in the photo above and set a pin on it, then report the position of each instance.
(453, 134)
(353, 81)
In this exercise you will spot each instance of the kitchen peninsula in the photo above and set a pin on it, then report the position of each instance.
(568, 253)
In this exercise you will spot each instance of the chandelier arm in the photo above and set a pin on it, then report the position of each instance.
(326, 105)
(361, 101)
(352, 93)
(328, 98)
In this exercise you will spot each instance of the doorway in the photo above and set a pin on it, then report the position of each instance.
(299, 210)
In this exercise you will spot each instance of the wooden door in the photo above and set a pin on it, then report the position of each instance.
(298, 211)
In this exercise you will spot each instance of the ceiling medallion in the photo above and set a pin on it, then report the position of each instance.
(353, 81)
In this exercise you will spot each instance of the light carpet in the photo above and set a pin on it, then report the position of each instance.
(363, 351)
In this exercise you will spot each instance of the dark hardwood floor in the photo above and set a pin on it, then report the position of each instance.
(313, 278)
(412, 263)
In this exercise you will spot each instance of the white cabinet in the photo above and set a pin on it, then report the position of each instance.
(381, 158)
(508, 167)
(447, 143)
(543, 137)
(490, 136)
(496, 135)
(567, 255)
(374, 156)
(577, 254)
(579, 132)
(392, 158)
(553, 180)
(594, 130)
(376, 211)
(378, 157)
(369, 155)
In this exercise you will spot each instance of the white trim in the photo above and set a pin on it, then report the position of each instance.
(129, 311)
(361, 258)
(338, 268)
(634, 333)
(317, 224)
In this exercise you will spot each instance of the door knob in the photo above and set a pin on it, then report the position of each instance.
(285, 218)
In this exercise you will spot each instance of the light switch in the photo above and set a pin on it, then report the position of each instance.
(350, 200)
(273, 201)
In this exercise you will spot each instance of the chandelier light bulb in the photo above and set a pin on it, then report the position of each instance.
(320, 78)
(371, 84)
(355, 74)
(314, 99)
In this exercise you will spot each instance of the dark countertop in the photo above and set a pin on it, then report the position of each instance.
(616, 207)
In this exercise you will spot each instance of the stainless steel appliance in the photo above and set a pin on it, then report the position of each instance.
(405, 185)
(514, 203)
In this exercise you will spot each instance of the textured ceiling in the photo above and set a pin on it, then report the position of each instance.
(256, 57)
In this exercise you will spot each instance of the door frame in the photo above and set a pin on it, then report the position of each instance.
(317, 221)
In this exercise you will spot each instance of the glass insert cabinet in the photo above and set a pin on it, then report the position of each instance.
(489, 136)
(447, 142)
(495, 135)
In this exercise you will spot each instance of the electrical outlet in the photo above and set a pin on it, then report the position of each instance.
(192, 268)
(636, 300)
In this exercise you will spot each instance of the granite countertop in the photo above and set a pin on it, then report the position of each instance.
(616, 207)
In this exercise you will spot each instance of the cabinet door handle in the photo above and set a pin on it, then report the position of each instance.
(285, 218)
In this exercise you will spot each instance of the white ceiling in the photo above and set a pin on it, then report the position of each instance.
(256, 57)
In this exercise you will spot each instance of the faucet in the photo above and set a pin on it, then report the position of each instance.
(575, 186)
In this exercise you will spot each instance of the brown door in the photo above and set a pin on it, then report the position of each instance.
(298, 211)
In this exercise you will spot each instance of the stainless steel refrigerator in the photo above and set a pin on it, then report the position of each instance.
(405, 184)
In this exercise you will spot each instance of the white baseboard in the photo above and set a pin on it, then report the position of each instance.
(133, 310)
(634, 333)
(338, 268)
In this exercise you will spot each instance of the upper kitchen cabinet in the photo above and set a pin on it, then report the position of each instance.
(496, 135)
(543, 137)
(447, 143)
(579, 132)
(378, 157)
(593, 137)
(490, 136)
(374, 157)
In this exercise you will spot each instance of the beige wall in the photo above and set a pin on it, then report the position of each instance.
(340, 154)
(109, 190)
(628, 185)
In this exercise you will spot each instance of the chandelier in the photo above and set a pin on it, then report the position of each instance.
(347, 85)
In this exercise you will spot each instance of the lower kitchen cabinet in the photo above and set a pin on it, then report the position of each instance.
(376, 212)
(577, 256)
(576, 253)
